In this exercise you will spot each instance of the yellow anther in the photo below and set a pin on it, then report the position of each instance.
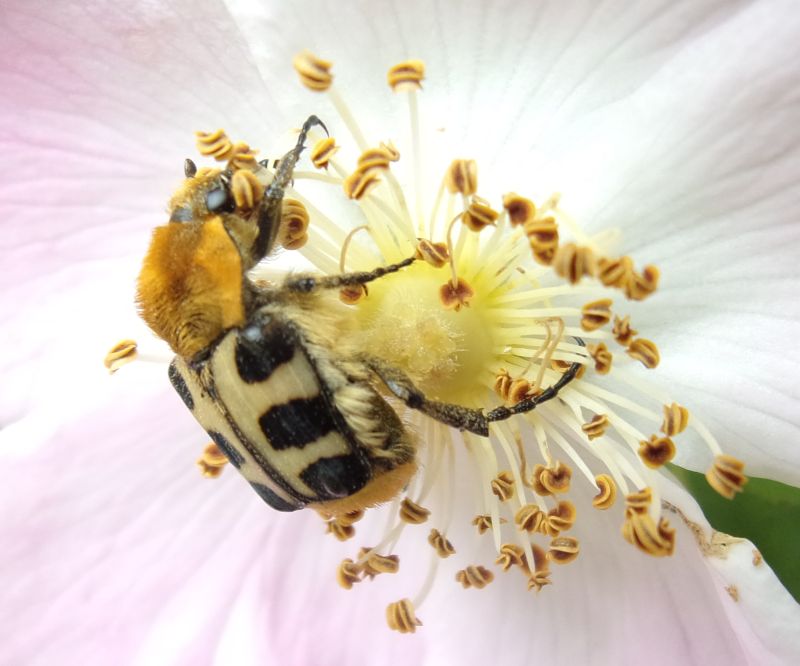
(561, 518)
(484, 523)
(511, 554)
(572, 262)
(341, 531)
(551, 480)
(563, 550)
(520, 210)
(462, 177)
(314, 72)
(503, 486)
(358, 183)
(562, 366)
(602, 357)
(435, 254)
(406, 76)
(376, 564)
(474, 576)
(212, 462)
(596, 427)
(645, 351)
(214, 144)
(596, 314)
(400, 617)
(378, 158)
(616, 273)
(641, 285)
(323, 151)
(622, 331)
(607, 492)
(639, 501)
(479, 215)
(242, 157)
(726, 476)
(348, 574)
(351, 517)
(455, 297)
(676, 418)
(440, 544)
(656, 451)
(512, 390)
(529, 518)
(121, 353)
(542, 236)
(413, 513)
(247, 189)
(640, 530)
(294, 224)
(541, 569)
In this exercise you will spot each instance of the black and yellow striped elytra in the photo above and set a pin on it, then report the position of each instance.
(284, 417)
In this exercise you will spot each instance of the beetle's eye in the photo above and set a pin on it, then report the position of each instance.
(219, 200)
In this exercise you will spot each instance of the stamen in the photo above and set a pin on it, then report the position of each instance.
(476, 576)
(602, 358)
(376, 564)
(596, 314)
(484, 523)
(294, 224)
(479, 215)
(622, 331)
(542, 234)
(511, 554)
(520, 210)
(529, 518)
(462, 177)
(440, 544)
(247, 190)
(503, 486)
(435, 254)
(406, 76)
(314, 72)
(561, 518)
(551, 480)
(656, 451)
(573, 262)
(341, 531)
(608, 492)
(358, 183)
(563, 550)
(726, 476)
(413, 513)
(214, 144)
(120, 354)
(400, 617)
(676, 418)
(541, 574)
(645, 351)
(596, 427)
(323, 151)
(348, 574)
(212, 462)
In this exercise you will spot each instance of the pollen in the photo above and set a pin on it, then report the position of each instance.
(596, 427)
(645, 351)
(676, 419)
(607, 492)
(293, 233)
(503, 486)
(596, 314)
(323, 151)
(474, 576)
(573, 262)
(120, 354)
(462, 177)
(400, 617)
(406, 76)
(479, 215)
(314, 72)
(726, 476)
(247, 189)
(440, 544)
(413, 513)
(212, 462)
(563, 550)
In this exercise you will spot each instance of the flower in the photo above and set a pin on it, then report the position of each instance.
(155, 568)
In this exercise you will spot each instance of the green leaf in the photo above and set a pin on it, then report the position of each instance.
(766, 512)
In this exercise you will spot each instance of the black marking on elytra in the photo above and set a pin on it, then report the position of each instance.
(179, 384)
(337, 476)
(225, 446)
(298, 422)
(262, 347)
(275, 501)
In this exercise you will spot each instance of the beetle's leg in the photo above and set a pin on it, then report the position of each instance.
(457, 416)
(309, 283)
(269, 210)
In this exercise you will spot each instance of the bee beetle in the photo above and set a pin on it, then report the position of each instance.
(299, 416)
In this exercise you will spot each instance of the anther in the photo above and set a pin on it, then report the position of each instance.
(242, 157)
(350, 517)
(639, 501)
(440, 544)
(529, 518)
(562, 366)
(314, 72)
(406, 76)
(342, 531)
(656, 451)
(541, 569)
(563, 550)
(484, 523)
(676, 418)
(640, 286)
(645, 351)
(479, 215)
(212, 462)
(551, 480)
(726, 476)
(474, 576)
(616, 273)
(511, 554)
(520, 210)
(413, 513)
(247, 189)
(462, 177)
(572, 262)
(377, 564)
(596, 314)
(378, 158)
(640, 530)
(622, 331)
(294, 224)
(358, 183)
(121, 353)
(435, 254)
(596, 427)
(214, 144)
(561, 518)
(400, 617)
(348, 574)
(602, 357)
(503, 486)
(455, 297)
(607, 492)
(323, 151)
(542, 237)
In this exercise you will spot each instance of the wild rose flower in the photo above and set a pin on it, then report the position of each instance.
(117, 551)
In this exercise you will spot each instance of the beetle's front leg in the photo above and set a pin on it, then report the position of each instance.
(308, 283)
